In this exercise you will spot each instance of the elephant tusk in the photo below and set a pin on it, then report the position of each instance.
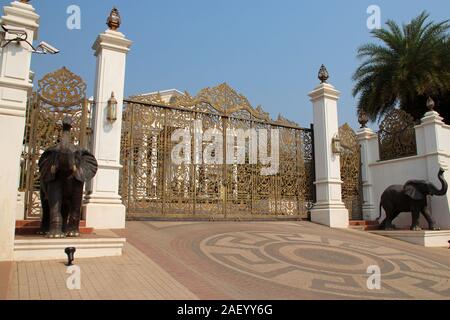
(74, 170)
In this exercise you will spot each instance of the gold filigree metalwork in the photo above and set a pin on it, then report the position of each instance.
(221, 100)
(151, 98)
(62, 89)
(151, 185)
(285, 122)
(396, 136)
(60, 94)
(351, 171)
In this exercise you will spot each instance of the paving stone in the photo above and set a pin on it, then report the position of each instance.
(243, 260)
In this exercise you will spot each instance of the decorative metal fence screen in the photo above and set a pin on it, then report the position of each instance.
(154, 185)
(396, 136)
(60, 94)
(351, 172)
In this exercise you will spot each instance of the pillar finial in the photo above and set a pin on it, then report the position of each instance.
(430, 104)
(363, 119)
(114, 19)
(323, 74)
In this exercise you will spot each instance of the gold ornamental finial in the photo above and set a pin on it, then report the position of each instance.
(24, 1)
(323, 74)
(363, 119)
(114, 20)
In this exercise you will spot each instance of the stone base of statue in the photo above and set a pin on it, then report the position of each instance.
(425, 238)
(101, 243)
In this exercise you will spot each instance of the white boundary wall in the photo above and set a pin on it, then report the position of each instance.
(433, 152)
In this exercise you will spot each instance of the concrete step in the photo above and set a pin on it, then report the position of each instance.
(363, 222)
(361, 228)
(373, 227)
(101, 244)
(363, 225)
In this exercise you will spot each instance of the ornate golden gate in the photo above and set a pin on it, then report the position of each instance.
(351, 172)
(152, 186)
(60, 93)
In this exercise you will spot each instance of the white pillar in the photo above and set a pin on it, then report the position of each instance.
(432, 143)
(368, 141)
(329, 209)
(15, 62)
(103, 208)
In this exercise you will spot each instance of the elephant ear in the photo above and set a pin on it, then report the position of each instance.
(48, 160)
(86, 165)
(414, 191)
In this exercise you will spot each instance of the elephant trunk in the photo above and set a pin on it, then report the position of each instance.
(440, 192)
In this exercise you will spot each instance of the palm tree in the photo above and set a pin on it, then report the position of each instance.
(411, 63)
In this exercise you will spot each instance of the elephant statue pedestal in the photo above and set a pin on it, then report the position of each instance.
(102, 243)
(33, 228)
(412, 197)
(425, 238)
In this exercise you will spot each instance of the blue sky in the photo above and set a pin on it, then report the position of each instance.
(268, 50)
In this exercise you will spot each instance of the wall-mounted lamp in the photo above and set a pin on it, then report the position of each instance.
(336, 144)
(111, 113)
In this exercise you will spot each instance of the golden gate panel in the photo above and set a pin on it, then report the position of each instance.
(60, 94)
(154, 186)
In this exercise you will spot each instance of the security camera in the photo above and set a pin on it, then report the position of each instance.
(44, 47)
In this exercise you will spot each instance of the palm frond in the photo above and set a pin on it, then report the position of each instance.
(411, 62)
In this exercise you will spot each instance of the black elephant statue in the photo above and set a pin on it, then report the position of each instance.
(411, 197)
(64, 168)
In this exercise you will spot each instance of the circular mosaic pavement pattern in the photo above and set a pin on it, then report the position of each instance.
(328, 265)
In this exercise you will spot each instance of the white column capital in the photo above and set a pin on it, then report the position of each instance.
(431, 117)
(21, 14)
(324, 90)
(112, 40)
(428, 133)
(365, 134)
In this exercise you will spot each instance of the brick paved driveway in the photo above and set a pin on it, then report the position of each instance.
(244, 260)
